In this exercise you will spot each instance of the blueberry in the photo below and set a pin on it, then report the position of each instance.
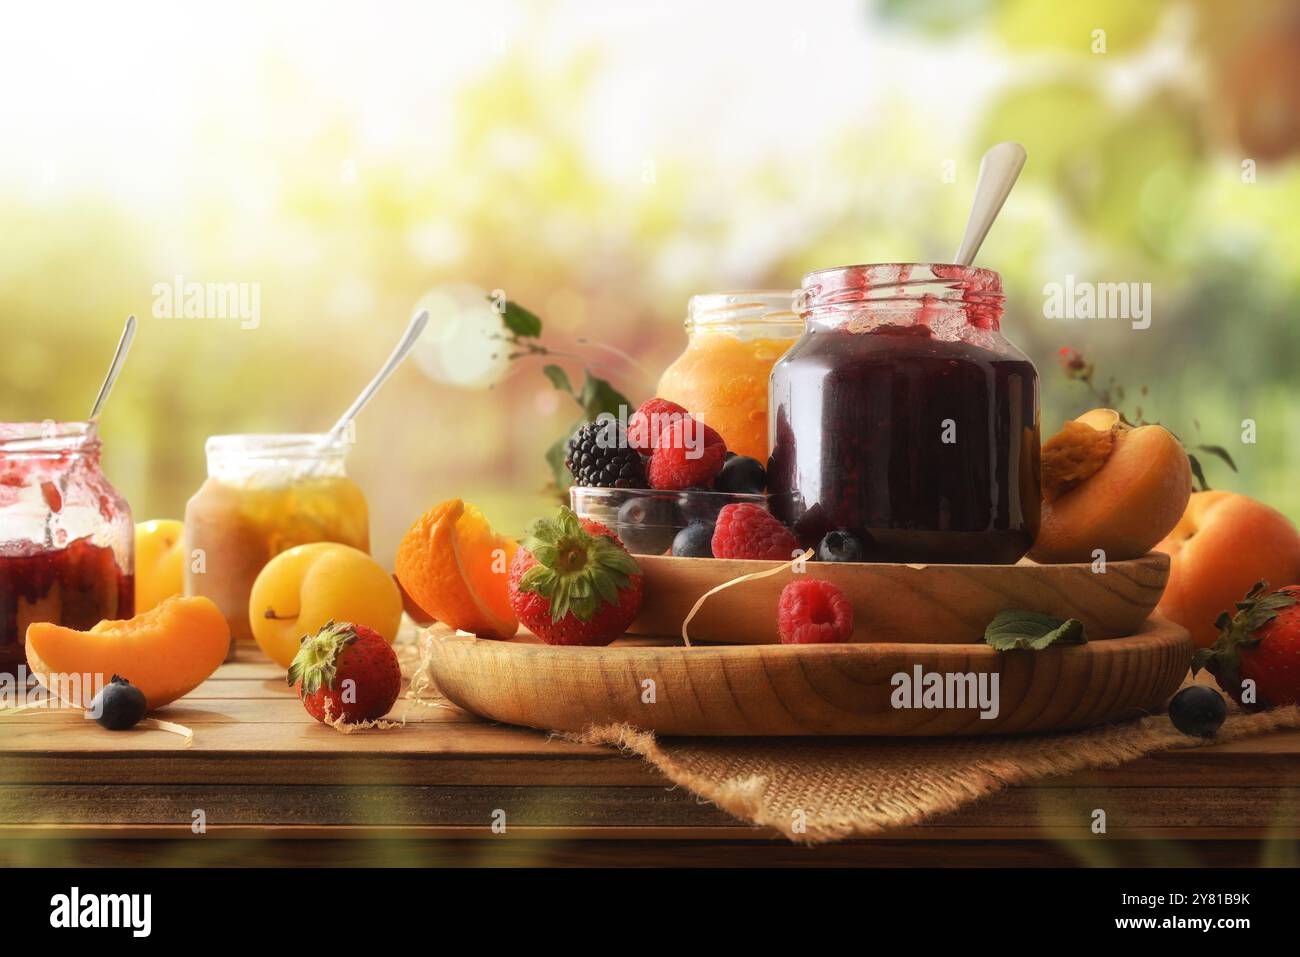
(742, 474)
(646, 524)
(119, 705)
(839, 546)
(694, 541)
(1198, 711)
(699, 504)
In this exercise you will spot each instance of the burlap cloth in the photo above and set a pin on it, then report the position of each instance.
(838, 788)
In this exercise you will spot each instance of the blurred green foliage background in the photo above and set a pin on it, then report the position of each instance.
(600, 164)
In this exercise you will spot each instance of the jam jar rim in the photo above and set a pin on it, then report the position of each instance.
(49, 438)
(913, 291)
(750, 307)
(276, 445)
(973, 283)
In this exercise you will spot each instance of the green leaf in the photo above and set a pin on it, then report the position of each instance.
(559, 471)
(1221, 452)
(1021, 630)
(599, 397)
(559, 378)
(1199, 472)
(520, 321)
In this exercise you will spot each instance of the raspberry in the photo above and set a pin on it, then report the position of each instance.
(651, 421)
(813, 612)
(746, 530)
(689, 454)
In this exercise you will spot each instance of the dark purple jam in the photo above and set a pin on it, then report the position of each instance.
(927, 449)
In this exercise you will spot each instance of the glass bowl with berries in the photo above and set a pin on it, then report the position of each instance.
(660, 480)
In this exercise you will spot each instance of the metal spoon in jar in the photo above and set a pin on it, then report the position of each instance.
(998, 171)
(115, 367)
(404, 345)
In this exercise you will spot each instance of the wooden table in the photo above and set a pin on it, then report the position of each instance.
(274, 787)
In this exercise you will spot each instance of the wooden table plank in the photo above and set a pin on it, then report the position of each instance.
(272, 781)
(406, 805)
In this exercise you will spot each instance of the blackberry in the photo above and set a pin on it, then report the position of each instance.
(598, 456)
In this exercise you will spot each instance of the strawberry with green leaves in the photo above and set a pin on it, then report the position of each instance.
(573, 583)
(349, 668)
(1259, 644)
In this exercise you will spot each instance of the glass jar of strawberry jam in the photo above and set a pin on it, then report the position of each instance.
(265, 494)
(732, 340)
(66, 535)
(904, 416)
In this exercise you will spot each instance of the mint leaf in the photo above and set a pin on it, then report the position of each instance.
(559, 378)
(520, 321)
(1019, 630)
(599, 397)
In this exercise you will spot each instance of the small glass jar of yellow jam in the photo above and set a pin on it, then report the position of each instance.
(265, 494)
(733, 340)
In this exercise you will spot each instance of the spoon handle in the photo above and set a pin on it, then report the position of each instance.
(417, 324)
(998, 171)
(119, 358)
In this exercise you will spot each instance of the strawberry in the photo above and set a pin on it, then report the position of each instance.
(1260, 644)
(573, 583)
(350, 668)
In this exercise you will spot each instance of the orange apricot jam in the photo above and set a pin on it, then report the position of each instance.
(733, 340)
(265, 494)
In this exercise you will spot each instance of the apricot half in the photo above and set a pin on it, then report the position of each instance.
(166, 652)
(1109, 487)
(1222, 545)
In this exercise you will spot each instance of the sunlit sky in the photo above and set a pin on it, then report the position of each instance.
(130, 99)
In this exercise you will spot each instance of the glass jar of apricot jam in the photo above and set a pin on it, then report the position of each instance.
(66, 535)
(905, 417)
(265, 494)
(733, 338)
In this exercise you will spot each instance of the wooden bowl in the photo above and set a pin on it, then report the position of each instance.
(914, 604)
(847, 689)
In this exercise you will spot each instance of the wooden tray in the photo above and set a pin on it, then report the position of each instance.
(801, 689)
(917, 604)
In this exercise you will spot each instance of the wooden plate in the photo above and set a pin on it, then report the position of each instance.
(802, 689)
(914, 604)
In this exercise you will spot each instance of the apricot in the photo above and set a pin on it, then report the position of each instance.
(303, 588)
(166, 652)
(1111, 487)
(1222, 545)
(159, 562)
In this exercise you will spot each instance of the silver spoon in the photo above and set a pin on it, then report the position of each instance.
(115, 367)
(417, 324)
(999, 169)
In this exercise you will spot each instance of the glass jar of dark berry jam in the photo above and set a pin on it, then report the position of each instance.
(66, 536)
(903, 416)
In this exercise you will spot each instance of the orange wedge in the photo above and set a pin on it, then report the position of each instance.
(456, 569)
